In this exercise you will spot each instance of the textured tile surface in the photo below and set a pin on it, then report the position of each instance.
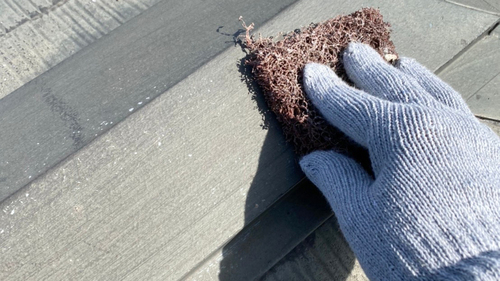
(157, 194)
(494, 125)
(476, 75)
(269, 237)
(491, 6)
(65, 108)
(36, 35)
(323, 255)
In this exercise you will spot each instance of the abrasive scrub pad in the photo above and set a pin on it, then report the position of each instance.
(277, 67)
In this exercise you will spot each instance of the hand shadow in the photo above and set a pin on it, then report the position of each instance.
(272, 244)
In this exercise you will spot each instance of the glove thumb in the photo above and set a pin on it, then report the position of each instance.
(341, 179)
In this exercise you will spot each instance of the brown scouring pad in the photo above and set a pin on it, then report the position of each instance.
(277, 67)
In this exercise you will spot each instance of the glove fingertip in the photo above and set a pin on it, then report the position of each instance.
(408, 65)
(359, 59)
(311, 163)
(327, 168)
(318, 80)
(437, 88)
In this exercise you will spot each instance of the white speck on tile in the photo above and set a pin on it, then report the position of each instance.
(1, 231)
(13, 211)
(159, 143)
(190, 155)
(29, 177)
(131, 109)
(139, 103)
(148, 98)
(27, 194)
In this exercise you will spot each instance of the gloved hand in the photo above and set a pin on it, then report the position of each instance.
(432, 210)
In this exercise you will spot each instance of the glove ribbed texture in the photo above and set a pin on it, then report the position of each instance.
(431, 212)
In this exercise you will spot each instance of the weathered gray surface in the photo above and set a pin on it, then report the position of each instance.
(490, 6)
(323, 255)
(476, 75)
(493, 124)
(268, 237)
(167, 187)
(35, 35)
(425, 30)
(156, 194)
(65, 108)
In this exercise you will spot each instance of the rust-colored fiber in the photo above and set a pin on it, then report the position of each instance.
(277, 67)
